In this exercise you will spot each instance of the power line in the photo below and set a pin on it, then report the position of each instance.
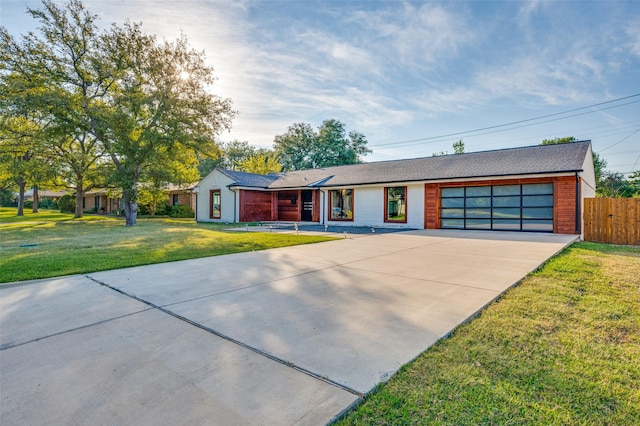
(535, 124)
(621, 140)
(434, 138)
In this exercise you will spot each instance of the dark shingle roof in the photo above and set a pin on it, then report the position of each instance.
(250, 179)
(568, 157)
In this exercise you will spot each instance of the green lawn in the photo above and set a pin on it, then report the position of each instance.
(49, 244)
(562, 348)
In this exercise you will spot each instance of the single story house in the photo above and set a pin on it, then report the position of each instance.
(539, 188)
(104, 201)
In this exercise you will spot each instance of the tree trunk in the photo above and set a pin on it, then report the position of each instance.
(79, 197)
(21, 185)
(129, 199)
(36, 199)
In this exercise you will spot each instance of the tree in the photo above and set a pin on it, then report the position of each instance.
(58, 79)
(22, 156)
(303, 148)
(117, 95)
(458, 147)
(262, 163)
(160, 108)
(615, 185)
(556, 141)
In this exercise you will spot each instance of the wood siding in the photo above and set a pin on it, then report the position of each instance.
(612, 220)
(564, 206)
(564, 201)
(255, 206)
(258, 206)
(289, 206)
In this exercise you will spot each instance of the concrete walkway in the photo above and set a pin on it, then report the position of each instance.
(294, 335)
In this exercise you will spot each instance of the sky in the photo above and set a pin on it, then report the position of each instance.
(413, 77)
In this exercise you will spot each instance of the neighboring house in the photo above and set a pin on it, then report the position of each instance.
(100, 201)
(43, 194)
(539, 188)
(182, 195)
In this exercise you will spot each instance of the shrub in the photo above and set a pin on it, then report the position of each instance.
(48, 203)
(8, 198)
(181, 211)
(163, 209)
(67, 204)
(28, 204)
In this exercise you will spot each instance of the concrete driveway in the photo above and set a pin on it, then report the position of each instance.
(293, 335)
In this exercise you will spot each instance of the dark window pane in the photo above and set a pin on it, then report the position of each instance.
(452, 202)
(478, 213)
(538, 213)
(506, 190)
(478, 224)
(452, 192)
(537, 225)
(452, 223)
(506, 201)
(537, 188)
(537, 200)
(504, 224)
(478, 202)
(478, 191)
(452, 213)
(506, 213)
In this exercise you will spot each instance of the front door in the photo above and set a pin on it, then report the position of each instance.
(307, 206)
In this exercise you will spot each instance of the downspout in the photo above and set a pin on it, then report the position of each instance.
(322, 207)
(578, 212)
(235, 204)
(196, 215)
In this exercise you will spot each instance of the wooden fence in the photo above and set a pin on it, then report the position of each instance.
(612, 220)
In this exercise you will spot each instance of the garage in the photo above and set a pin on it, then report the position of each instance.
(522, 207)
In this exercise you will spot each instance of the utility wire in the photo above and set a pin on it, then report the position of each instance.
(433, 138)
(621, 140)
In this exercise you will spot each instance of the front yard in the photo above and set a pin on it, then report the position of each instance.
(50, 244)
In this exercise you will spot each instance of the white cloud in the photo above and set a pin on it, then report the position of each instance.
(633, 32)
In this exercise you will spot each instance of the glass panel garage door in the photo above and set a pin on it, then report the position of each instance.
(504, 207)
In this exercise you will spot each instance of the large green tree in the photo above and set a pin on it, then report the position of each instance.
(160, 107)
(301, 147)
(59, 77)
(118, 95)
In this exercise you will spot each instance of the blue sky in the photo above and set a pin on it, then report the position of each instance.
(411, 71)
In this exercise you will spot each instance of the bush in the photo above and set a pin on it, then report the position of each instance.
(28, 204)
(163, 209)
(8, 198)
(48, 203)
(67, 204)
(181, 211)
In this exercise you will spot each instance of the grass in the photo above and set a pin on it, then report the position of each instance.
(561, 348)
(50, 244)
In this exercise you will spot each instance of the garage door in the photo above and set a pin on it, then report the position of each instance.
(500, 207)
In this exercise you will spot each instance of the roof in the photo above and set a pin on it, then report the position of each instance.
(539, 159)
(250, 179)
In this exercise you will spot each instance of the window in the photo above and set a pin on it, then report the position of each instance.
(341, 204)
(395, 204)
(215, 207)
(526, 207)
(174, 199)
